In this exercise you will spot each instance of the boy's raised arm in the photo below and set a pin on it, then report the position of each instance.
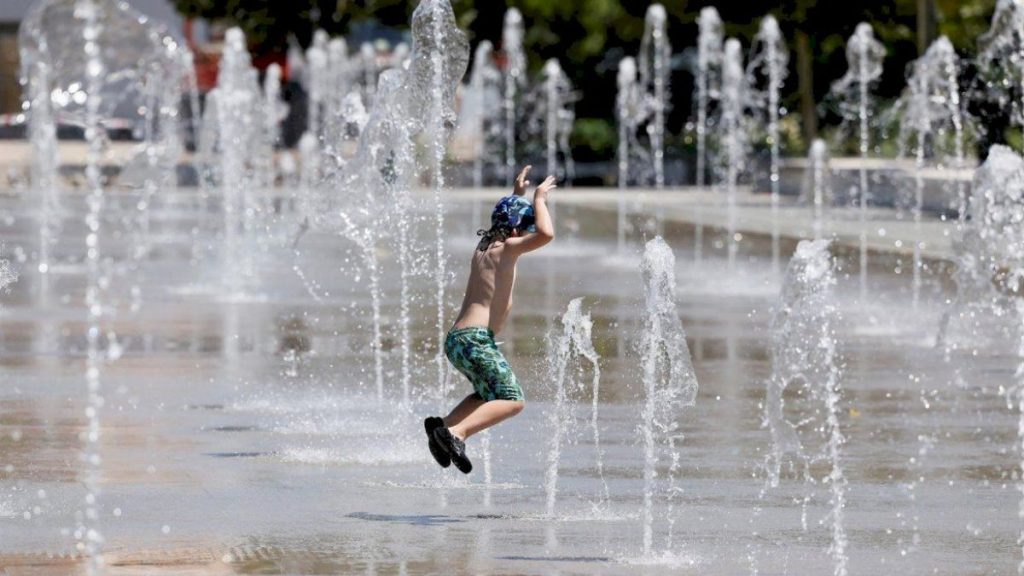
(521, 183)
(545, 227)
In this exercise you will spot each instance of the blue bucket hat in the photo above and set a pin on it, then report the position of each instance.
(515, 212)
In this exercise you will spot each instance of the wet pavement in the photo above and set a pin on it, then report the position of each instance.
(241, 433)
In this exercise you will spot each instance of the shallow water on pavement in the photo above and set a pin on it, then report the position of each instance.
(242, 434)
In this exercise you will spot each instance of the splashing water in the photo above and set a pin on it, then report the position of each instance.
(400, 54)
(805, 359)
(552, 116)
(440, 58)
(276, 111)
(8, 275)
(864, 55)
(404, 222)
(1015, 393)
(309, 168)
(565, 353)
(94, 71)
(989, 256)
(81, 59)
(151, 72)
(817, 188)
(392, 133)
(641, 105)
(340, 95)
(353, 115)
(479, 115)
(931, 113)
(515, 83)
(629, 113)
(653, 62)
(1001, 58)
(347, 118)
(771, 61)
(670, 383)
(42, 134)
(232, 122)
(385, 161)
(318, 81)
(709, 56)
(368, 71)
(733, 152)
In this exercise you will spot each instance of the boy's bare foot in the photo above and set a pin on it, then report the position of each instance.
(455, 448)
(430, 424)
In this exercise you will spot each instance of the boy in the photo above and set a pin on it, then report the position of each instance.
(516, 228)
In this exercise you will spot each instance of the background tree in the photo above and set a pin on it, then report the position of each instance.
(589, 37)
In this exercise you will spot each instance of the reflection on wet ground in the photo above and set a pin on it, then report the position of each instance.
(241, 433)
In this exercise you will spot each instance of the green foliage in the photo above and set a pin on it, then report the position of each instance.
(1012, 137)
(595, 136)
(791, 137)
(963, 21)
(590, 36)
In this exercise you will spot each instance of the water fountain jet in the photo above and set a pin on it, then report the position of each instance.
(276, 111)
(989, 258)
(318, 80)
(566, 351)
(94, 72)
(629, 112)
(151, 72)
(805, 359)
(864, 55)
(771, 61)
(515, 83)
(733, 151)
(553, 117)
(670, 384)
(481, 102)
(339, 94)
(385, 161)
(931, 112)
(80, 59)
(443, 58)
(230, 125)
(709, 55)
(653, 63)
(369, 70)
(1001, 58)
(818, 185)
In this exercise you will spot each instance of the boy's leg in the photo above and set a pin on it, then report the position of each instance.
(492, 377)
(485, 415)
(463, 409)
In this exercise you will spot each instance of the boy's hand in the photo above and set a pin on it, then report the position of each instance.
(521, 182)
(546, 186)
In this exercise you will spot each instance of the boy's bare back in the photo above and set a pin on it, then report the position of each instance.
(492, 273)
(470, 345)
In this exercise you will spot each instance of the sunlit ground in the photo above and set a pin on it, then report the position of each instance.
(242, 433)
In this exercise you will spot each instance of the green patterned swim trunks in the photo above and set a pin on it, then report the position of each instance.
(474, 353)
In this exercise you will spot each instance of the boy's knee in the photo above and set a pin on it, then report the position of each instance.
(518, 406)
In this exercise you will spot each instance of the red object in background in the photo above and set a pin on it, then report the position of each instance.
(499, 59)
(206, 71)
(262, 61)
(207, 59)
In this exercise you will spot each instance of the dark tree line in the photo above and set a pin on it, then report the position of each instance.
(590, 36)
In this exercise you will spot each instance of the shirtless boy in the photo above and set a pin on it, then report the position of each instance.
(517, 227)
